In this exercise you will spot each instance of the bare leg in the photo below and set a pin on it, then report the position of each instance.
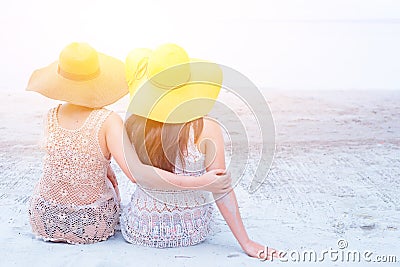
(228, 206)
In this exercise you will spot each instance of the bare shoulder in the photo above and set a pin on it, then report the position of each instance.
(113, 120)
(211, 128)
(211, 143)
(210, 135)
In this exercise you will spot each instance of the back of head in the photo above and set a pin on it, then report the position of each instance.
(161, 144)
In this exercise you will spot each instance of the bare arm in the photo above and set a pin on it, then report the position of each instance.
(227, 203)
(125, 156)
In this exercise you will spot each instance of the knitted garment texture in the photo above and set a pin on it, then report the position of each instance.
(74, 201)
(161, 219)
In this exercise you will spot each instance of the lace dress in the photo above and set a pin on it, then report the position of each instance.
(157, 218)
(74, 201)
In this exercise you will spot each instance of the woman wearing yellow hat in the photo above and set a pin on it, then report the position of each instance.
(76, 200)
(170, 96)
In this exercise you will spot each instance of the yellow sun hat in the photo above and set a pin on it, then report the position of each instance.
(167, 86)
(136, 66)
(81, 76)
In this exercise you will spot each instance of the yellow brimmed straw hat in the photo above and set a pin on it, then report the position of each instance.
(167, 86)
(81, 76)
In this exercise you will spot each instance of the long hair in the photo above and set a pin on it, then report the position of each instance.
(161, 144)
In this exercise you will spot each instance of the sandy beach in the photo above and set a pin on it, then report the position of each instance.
(335, 177)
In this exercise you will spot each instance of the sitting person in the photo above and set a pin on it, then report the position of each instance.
(77, 198)
(169, 129)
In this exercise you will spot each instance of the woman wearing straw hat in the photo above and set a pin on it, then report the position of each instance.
(171, 94)
(77, 200)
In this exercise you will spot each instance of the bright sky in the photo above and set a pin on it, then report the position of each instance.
(280, 44)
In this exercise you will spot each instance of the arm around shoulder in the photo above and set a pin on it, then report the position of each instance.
(114, 130)
(126, 157)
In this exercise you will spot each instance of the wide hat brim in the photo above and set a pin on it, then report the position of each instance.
(106, 88)
(185, 102)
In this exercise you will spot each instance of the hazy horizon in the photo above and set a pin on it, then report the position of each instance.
(288, 44)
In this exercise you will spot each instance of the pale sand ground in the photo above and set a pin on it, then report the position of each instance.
(335, 176)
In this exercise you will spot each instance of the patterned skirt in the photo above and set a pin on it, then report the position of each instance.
(164, 219)
(72, 223)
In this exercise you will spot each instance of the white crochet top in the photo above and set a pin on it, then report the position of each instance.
(158, 218)
(74, 201)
